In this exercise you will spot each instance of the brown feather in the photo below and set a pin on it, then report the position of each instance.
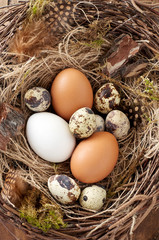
(15, 188)
(31, 40)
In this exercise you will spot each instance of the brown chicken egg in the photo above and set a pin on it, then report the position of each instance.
(70, 91)
(95, 157)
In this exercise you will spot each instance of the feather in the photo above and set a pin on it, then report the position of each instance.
(31, 40)
(14, 189)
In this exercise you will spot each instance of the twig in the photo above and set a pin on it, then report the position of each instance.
(128, 215)
(135, 6)
(131, 201)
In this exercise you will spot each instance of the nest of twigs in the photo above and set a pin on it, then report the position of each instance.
(32, 54)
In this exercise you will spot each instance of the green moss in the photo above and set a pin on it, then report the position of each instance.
(94, 44)
(94, 36)
(150, 88)
(40, 212)
(36, 8)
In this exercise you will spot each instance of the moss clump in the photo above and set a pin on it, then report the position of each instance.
(36, 8)
(40, 212)
(94, 36)
(150, 88)
(95, 44)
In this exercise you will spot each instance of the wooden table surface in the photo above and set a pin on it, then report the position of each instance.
(7, 2)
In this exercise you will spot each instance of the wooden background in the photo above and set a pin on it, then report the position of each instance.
(6, 2)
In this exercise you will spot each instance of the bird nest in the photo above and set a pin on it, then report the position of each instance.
(109, 41)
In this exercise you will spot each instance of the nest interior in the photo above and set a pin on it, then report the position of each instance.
(37, 42)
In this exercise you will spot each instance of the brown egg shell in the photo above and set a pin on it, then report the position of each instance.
(70, 91)
(95, 157)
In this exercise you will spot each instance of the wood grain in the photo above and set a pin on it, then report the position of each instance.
(8, 2)
(3, 3)
(149, 228)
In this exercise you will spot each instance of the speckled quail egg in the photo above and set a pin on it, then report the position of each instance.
(64, 189)
(117, 123)
(106, 98)
(82, 123)
(37, 99)
(100, 125)
(93, 197)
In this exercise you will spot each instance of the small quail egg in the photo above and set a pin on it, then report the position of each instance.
(100, 125)
(82, 123)
(37, 99)
(93, 197)
(63, 188)
(117, 123)
(106, 98)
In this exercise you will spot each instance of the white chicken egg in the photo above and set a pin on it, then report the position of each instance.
(49, 137)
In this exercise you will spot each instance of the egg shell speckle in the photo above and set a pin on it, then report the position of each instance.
(64, 189)
(82, 123)
(106, 98)
(100, 125)
(117, 123)
(93, 197)
(37, 99)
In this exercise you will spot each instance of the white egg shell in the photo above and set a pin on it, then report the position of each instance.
(82, 123)
(37, 99)
(64, 189)
(106, 98)
(117, 123)
(100, 124)
(93, 197)
(49, 137)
